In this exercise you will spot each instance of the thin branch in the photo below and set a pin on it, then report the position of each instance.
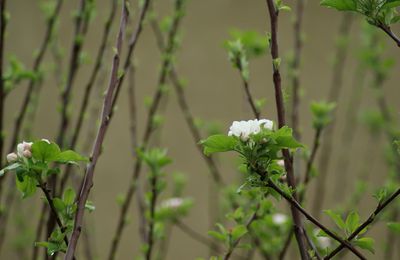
(389, 32)
(31, 86)
(87, 182)
(380, 207)
(3, 23)
(296, 204)
(185, 108)
(273, 14)
(149, 127)
(298, 45)
(53, 209)
(89, 86)
(334, 94)
(236, 243)
(153, 201)
(311, 244)
(39, 231)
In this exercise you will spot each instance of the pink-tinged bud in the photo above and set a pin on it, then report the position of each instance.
(27, 154)
(12, 157)
(24, 146)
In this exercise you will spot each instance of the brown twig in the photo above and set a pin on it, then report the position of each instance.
(313, 220)
(87, 182)
(298, 45)
(311, 244)
(153, 201)
(273, 14)
(3, 23)
(31, 86)
(89, 86)
(365, 224)
(334, 94)
(389, 32)
(149, 127)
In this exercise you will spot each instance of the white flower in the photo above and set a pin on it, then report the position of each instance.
(243, 129)
(24, 146)
(172, 203)
(279, 218)
(323, 242)
(46, 140)
(12, 157)
(281, 163)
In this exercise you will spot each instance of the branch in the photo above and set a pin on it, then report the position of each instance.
(273, 14)
(149, 127)
(184, 106)
(89, 87)
(295, 204)
(389, 32)
(87, 182)
(334, 94)
(3, 20)
(371, 218)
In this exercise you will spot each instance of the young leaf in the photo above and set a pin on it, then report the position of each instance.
(70, 157)
(365, 243)
(44, 151)
(27, 186)
(336, 218)
(218, 143)
(238, 232)
(352, 222)
(284, 138)
(69, 196)
(9, 168)
(394, 227)
(341, 5)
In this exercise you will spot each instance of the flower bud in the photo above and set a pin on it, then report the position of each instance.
(27, 154)
(12, 157)
(24, 146)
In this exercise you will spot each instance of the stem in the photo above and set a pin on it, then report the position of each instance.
(334, 94)
(273, 14)
(296, 204)
(105, 119)
(236, 243)
(380, 207)
(246, 87)
(89, 87)
(311, 244)
(185, 108)
(149, 128)
(150, 235)
(3, 21)
(389, 32)
(298, 45)
(53, 209)
(36, 68)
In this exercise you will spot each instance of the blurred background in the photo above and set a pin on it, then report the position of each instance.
(215, 94)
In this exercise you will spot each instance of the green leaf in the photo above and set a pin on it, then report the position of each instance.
(341, 5)
(352, 222)
(394, 227)
(70, 156)
(9, 168)
(69, 196)
(365, 243)
(392, 3)
(27, 186)
(90, 206)
(44, 151)
(217, 235)
(336, 218)
(284, 138)
(238, 232)
(59, 204)
(218, 143)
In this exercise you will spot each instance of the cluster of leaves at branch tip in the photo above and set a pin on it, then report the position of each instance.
(32, 164)
(16, 72)
(322, 114)
(280, 6)
(259, 146)
(377, 12)
(348, 226)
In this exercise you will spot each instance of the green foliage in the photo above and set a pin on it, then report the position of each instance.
(322, 114)
(365, 243)
(381, 13)
(253, 43)
(238, 57)
(219, 143)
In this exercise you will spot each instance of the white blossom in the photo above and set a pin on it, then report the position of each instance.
(27, 154)
(243, 129)
(12, 157)
(323, 242)
(46, 140)
(279, 218)
(24, 146)
(172, 203)
(281, 163)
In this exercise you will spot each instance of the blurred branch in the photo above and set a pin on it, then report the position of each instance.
(334, 94)
(273, 15)
(87, 182)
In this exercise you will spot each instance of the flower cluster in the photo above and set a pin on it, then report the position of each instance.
(24, 150)
(244, 129)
